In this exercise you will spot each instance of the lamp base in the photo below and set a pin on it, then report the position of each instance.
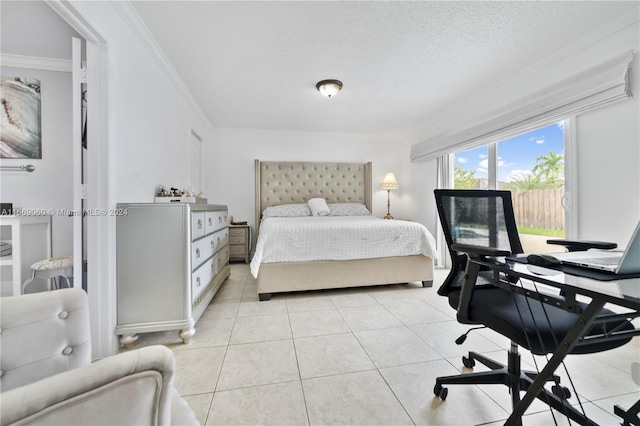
(388, 216)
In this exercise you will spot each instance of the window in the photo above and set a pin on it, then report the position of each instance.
(532, 166)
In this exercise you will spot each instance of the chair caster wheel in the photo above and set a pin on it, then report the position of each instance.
(468, 362)
(561, 392)
(440, 391)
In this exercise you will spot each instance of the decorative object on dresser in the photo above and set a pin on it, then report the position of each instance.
(172, 259)
(287, 187)
(239, 241)
(388, 184)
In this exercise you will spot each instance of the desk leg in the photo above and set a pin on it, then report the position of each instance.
(580, 327)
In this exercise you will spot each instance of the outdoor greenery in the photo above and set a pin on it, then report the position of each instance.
(464, 179)
(547, 173)
(558, 233)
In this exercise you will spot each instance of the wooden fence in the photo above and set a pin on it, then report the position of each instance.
(539, 208)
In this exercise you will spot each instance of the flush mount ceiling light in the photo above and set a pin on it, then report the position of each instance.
(329, 87)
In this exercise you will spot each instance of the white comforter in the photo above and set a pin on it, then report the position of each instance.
(299, 239)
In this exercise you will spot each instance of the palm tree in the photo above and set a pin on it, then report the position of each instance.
(550, 169)
(525, 183)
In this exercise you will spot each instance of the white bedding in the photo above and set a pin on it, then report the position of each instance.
(299, 239)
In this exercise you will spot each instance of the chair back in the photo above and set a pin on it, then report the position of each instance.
(43, 334)
(482, 218)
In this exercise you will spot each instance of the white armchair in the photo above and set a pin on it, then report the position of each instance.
(47, 378)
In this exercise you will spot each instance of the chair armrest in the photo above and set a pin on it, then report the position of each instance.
(478, 252)
(139, 382)
(582, 245)
(471, 275)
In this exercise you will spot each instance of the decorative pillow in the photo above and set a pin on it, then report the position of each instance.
(318, 207)
(349, 209)
(287, 210)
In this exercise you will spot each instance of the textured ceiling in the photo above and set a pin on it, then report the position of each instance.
(254, 65)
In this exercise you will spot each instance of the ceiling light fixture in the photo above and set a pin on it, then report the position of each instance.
(329, 87)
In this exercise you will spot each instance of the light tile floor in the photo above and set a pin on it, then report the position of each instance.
(360, 357)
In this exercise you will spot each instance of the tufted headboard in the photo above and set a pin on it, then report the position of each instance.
(288, 182)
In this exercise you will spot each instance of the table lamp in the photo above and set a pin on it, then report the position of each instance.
(389, 183)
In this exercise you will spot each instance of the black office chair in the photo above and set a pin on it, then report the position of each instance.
(478, 224)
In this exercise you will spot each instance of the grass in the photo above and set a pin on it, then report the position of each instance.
(541, 231)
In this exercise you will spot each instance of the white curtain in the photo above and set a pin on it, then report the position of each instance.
(444, 180)
(587, 90)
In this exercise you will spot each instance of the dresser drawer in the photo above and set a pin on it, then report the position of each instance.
(220, 238)
(222, 258)
(237, 232)
(198, 228)
(201, 250)
(237, 240)
(236, 250)
(201, 277)
(217, 220)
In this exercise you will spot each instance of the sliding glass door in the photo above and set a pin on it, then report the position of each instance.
(532, 166)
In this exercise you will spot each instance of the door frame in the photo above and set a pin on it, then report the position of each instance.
(99, 184)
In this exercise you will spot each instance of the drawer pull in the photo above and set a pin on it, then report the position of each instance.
(197, 281)
(199, 223)
(219, 219)
(197, 253)
(212, 244)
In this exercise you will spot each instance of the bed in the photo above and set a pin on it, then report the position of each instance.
(286, 185)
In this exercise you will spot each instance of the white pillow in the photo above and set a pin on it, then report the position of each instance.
(318, 207)
(287, 210)
(349, 209)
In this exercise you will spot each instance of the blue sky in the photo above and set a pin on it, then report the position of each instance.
(516, 156)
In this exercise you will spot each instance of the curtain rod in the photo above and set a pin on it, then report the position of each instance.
(27, 168)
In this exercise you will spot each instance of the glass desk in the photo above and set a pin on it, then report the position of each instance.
(519, 277)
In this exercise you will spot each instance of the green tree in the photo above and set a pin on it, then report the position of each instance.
(525, 183)
(464, 179)
(549, 169)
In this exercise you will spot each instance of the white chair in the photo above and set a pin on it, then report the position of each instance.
(47, 378)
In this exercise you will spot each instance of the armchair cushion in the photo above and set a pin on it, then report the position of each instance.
(47, 377)
(43, 334)
(131, 388)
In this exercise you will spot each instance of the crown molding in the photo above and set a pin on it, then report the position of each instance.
(140, 30)
(35, 62)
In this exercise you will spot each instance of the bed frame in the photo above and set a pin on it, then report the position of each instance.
(287, 182)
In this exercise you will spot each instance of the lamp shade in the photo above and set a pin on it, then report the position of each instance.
(329, 87)
(389, 182)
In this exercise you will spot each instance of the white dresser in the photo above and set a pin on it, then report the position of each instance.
(172, 259)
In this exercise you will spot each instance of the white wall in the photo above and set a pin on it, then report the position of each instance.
(230, 156)
(608, 139)
(146, 119)
(150, 118)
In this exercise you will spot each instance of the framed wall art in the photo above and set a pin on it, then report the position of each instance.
(20, 118)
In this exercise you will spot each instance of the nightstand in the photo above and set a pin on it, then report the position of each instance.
(239, 237)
